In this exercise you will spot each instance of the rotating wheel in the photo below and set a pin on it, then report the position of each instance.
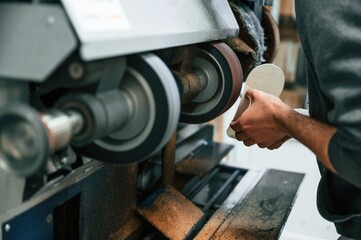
(24, 142)
(221, 85)
(154, 104)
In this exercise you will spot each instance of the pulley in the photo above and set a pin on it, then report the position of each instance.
(154, 107)
(220, 75)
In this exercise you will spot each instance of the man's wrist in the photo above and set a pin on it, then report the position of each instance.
(284, 118)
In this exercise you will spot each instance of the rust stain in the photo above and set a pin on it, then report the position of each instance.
(263, 213)
(129, 229)
(172, 214)
(212, 225)
(195, 166)
(168, 160)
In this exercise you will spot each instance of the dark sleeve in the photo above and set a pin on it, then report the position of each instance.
(331, 32)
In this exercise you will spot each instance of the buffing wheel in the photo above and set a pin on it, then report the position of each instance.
(224, 80)
(154, 104)
(272, 36)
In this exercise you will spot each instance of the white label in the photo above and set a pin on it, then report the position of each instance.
(97, 15)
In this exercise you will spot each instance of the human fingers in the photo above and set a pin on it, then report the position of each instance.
(241, 136)
(261, 145)
(278, 143)
(250, 93)
(249, 142)
(236, 126)
(254, 95)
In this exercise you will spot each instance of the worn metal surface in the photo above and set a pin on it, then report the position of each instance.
(238, 194)
(215, 196)
(261, 215)
(189, 137)
(133, 229)
(108, 201)
(11, 191)
(202, 161)
(105, 192)
(189, 81)
(171, 213)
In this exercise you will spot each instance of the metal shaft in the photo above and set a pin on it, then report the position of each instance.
(61, 126)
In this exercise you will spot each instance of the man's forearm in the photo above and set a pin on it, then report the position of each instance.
(310, 132)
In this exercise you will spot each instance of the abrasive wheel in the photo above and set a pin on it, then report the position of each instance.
(221, 74)
(154, 112)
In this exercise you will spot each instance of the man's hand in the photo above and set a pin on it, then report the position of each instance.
(258, 124)
(268, 122)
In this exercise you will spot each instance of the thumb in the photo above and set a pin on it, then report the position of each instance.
(250, 93)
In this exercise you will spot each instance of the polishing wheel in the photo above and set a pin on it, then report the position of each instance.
(154, 104)
(221, 76)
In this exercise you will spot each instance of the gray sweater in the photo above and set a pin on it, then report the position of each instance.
(330, 33)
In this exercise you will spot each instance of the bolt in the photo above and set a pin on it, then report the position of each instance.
(76, 70)
(51, 20)
(64, 160)
(49, 218)
(7, 227)
(88, 169)
(168, 53)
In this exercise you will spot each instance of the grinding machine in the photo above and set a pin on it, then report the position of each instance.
(104, 111)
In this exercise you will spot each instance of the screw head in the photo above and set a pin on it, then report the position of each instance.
(49, 218)
(51, 20)
(7, 227)
(76, 70)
